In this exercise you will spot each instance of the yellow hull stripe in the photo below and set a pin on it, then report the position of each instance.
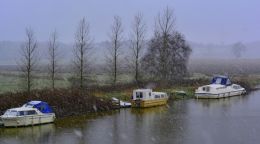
(149, 103)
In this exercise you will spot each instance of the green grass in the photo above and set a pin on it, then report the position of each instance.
(172, 91)
(11, 82)
(14, 83)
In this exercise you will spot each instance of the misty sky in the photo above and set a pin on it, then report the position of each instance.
(218, 21)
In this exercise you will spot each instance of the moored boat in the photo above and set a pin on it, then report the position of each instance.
(31, 113)
(120, 103)
(147, 98)
(220, 87)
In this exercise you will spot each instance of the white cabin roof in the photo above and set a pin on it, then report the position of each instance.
(159, 93)
(143, 90)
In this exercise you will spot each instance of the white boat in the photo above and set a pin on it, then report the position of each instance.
(123, 104)
(220, 87)
(31, 113)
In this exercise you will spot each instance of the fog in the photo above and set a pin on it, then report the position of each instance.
(200, 21)
(210, 27)
(10, 51)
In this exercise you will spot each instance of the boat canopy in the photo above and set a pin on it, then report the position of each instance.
(40, 105)
(223, 80)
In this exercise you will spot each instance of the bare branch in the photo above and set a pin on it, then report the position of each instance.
(53, 57)
(29, 58)
(116, 37)
(82, 47)
(137, 42)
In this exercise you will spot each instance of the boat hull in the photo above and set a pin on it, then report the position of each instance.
(28, 120)
(219, 95)
(149, 103)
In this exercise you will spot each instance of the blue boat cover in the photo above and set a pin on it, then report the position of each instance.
(223, 80)
(41, 106)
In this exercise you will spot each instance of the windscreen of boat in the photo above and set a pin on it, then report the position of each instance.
(28, 105)
(237, 87)
(10, 113)
(221, 80)
(218, 81)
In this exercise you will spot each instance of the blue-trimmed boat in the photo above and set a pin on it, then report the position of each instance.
(220, 87)
(31, 113)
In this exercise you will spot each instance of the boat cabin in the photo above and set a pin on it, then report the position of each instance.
(20, 112)
(145, 94)
(222, 80)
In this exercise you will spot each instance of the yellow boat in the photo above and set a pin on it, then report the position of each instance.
(142, 98)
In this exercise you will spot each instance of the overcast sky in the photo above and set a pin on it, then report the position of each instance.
(217, 21)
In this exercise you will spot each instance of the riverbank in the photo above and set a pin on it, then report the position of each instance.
(63, 101)
(70, 102)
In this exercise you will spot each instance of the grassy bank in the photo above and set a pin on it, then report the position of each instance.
(96, 98)
(64, 102)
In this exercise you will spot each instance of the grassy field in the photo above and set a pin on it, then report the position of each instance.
(12, 82)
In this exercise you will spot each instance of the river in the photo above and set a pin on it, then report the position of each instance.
(231, 120)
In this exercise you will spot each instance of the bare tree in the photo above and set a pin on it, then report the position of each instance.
(114, 51)
(168, 52)
(137, 42)
(82, 49)
(29, 58)
(53, 58)
(165, 23)
(165, 26)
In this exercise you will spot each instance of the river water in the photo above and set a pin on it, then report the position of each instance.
(233, 120)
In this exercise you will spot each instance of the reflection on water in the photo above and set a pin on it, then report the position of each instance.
(230, 120)
(32, 134)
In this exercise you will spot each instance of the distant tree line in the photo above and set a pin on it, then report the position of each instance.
(163, 57)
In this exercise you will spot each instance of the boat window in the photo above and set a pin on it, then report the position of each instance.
(139, 95)
(150, 94)
(157, 96)
(236, 87)
(20, 113)
(162, 96)
(206, 89)
(11, 113)
(228, 82)
(218, 81)
(30, 112)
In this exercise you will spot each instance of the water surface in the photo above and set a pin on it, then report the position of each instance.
(230, 120)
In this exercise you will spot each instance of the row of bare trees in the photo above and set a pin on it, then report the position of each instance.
(166, 56)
